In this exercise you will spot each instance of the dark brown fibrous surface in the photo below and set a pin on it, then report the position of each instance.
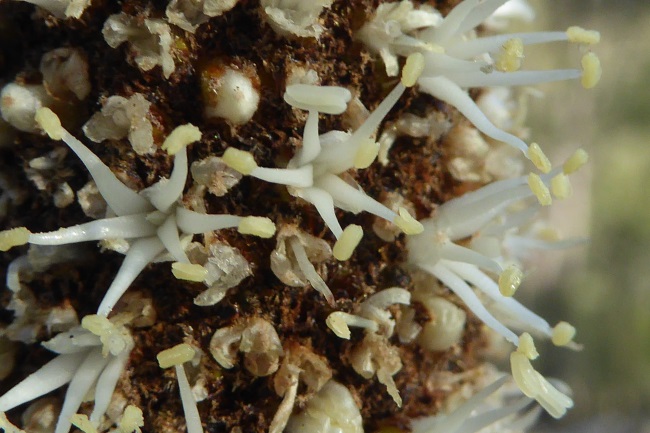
(415, 170)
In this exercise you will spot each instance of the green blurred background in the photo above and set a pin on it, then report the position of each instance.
(603, 288)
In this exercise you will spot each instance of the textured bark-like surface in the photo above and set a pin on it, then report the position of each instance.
(239, 38)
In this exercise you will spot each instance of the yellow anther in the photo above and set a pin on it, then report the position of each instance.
(132, 420)
(176, 355)
(579, 35)
(239, 160)
(527, 346)
(575, 162)
(50, 123)
(337, 323)
(97, 324)
(82, 422)
(561, 186)
(366, 154)
(180, 137)
(262, 227)
(13, 238)
(540, 190)
(510, 280)
(563, 334)
(591, 70)
(189, 272)
(538, 158)
(345, 245)
(412, 69)
(549, 234)
(408, 224)
(511, 56)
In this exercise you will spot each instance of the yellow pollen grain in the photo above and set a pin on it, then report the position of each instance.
(540, 190)
(538, 158)
(336, 322)
(13, 238)
(345, 245)
(189, 272)
(132, 420)
(180, 137)
(527, 346)
(412, 69)
(262, 227)
(96, 324)
(579, 35)
(366, 154)
(239, 160)
(561, 186)
(50, 123)
(82, 422)
(510, 280)
(511, 56)
(176, 355)
(591, 70)
(575, 162)
(408, 224)
(563, 334)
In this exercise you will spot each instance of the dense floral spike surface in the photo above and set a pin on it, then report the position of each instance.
(285, 365)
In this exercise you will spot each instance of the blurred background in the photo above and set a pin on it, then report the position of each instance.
(604, 287)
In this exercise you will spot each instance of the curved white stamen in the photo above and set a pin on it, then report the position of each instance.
(310, 141)
(141, 253)
(309, 271)
(454, 252)
(106, 385)
(191, 411)
(324, 204)
(518, 78)
(467, 295)
(166, 192)
(84, 378)
(301, 177)
(127, 226)
(120, 198)
(352, 199)
(193, 222)
(484, 283)
(49, 377)
(448, 91)
(474, 47)
(168, 235)
(387, 297)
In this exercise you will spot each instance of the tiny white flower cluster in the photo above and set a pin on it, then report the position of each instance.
(472, 243)
(456, 60)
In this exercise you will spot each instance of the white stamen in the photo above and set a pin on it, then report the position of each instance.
(193, 222)
(141, 253)
(309, 271)
(192, 418)
(51, 376)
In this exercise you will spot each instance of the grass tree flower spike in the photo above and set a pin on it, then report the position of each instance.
(431, 245)
(313, 174)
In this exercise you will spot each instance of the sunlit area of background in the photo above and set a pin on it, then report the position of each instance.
(603, 287)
